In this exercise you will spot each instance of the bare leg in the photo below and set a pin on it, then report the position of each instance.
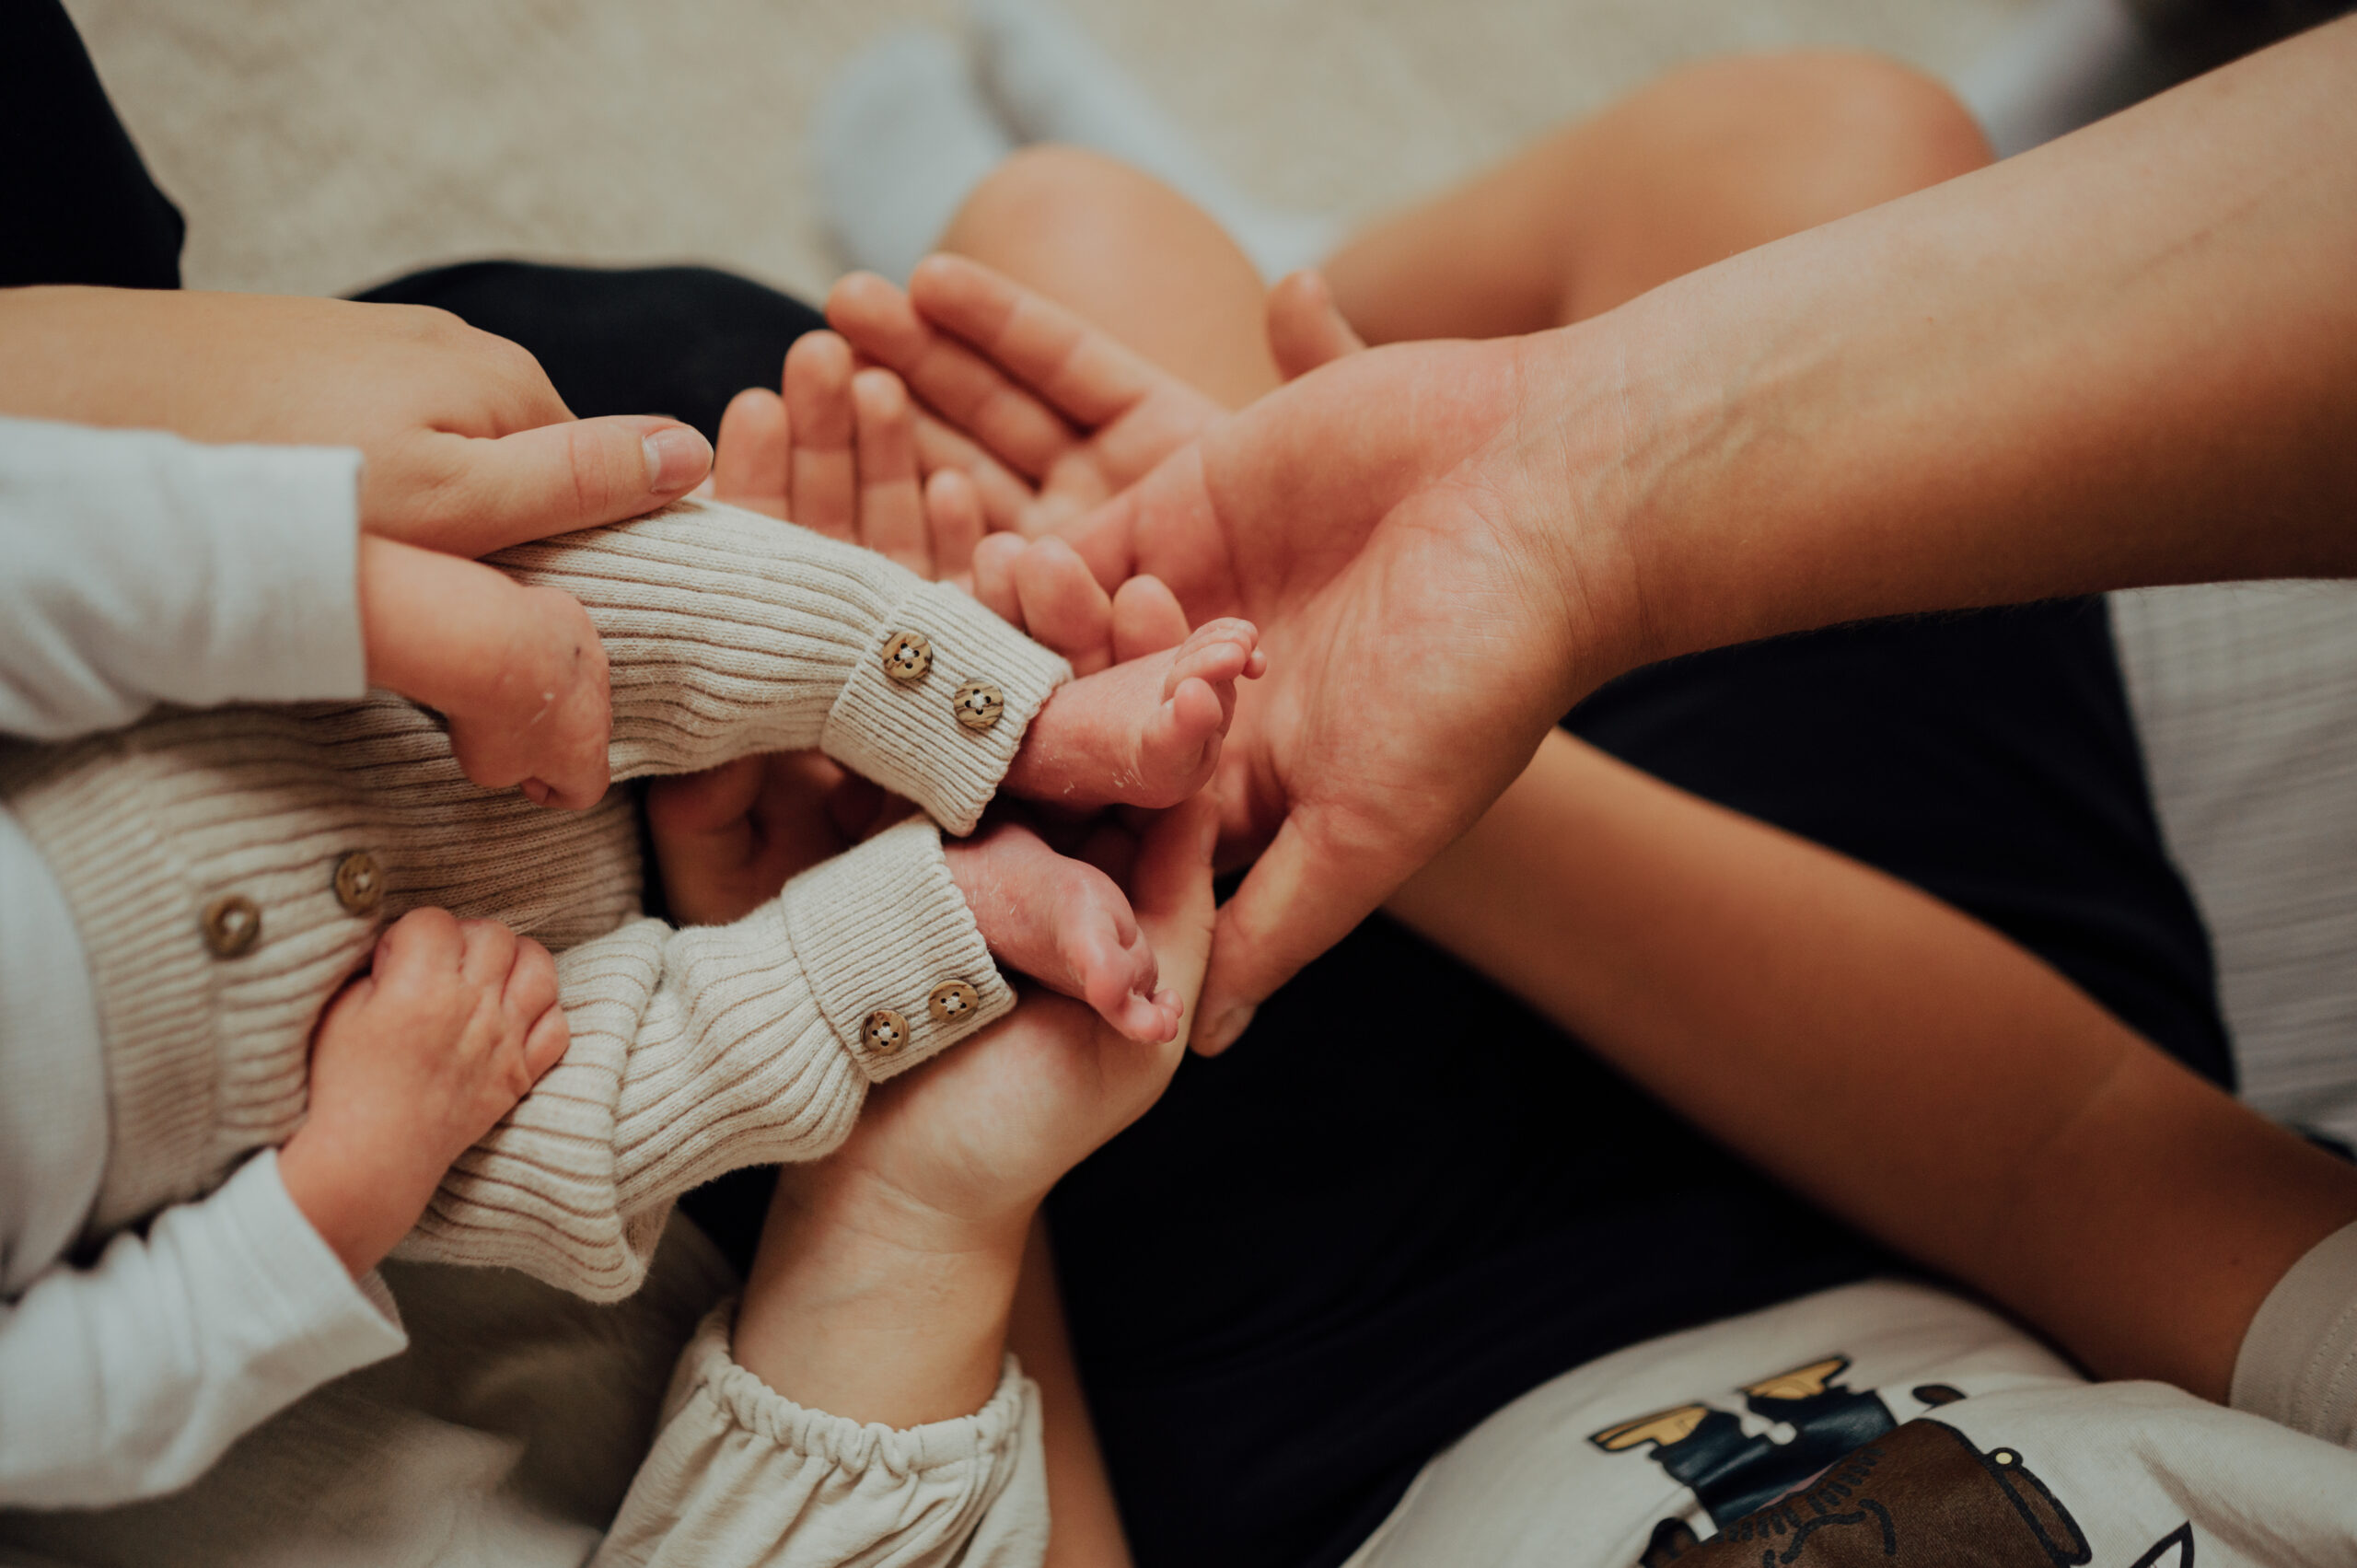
(1129, 253)
(1709, 161)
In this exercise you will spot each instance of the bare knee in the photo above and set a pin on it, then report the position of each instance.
(1857, 128)
(1049, 195)
(1126, 251)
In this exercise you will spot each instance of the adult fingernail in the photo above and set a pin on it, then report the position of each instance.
(676, 457)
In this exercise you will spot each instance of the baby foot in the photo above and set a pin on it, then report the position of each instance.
(1065, 923)
(1143, 733)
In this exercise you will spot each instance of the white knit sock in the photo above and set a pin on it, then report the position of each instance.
(1052, 84)
(900, 139)
(2061, 66)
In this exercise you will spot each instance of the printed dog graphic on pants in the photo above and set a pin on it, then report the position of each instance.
(1853, 1486)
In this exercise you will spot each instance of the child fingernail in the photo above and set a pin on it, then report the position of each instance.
(676, 457)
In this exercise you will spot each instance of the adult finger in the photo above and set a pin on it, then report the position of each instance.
(470, 495)
(952, 511)
(891, 506)
(1078, 370)
(950, 377)
(822, 494)
(749, 467)
(1300, 898)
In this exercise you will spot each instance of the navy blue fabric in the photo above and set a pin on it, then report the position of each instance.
(81, 207)
(680, 341)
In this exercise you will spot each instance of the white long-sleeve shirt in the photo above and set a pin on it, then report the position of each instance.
(137, 568)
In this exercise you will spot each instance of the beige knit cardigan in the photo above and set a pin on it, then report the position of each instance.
(694, 1051)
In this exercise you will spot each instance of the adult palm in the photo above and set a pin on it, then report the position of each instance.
(1401, 525)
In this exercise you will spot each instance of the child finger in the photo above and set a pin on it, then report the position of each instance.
(531, 987)
(489, 953)
(749, 469)
(422, 942)
(821, 471)
(891, 507)
(546, 1045)
(1062, 605)
(1146, 618)
(995, 560)
(952, 511)
(1007, 500)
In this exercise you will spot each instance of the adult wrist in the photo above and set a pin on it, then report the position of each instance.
(1580, 493)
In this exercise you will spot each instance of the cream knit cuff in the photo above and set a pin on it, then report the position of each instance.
(697, 1052)
(730, 634)
(893, 954)
(906, 735)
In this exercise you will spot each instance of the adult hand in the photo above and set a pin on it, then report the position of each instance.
(1049, 416)
(468, 448)
(1433, 562)
(1388, 518)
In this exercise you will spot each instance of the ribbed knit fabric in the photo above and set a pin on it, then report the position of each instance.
(701, 1050)
(731, 632)
(740, 1475)
(693, 1052)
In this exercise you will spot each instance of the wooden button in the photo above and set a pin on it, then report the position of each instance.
(979, 704)
(885, 1031)
(907, 657)
(359, 883)
(953, 1000)
(232, 925)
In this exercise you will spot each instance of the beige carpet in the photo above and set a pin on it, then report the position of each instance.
(318, 146)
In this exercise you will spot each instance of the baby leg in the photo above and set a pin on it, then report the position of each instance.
(1065, 923)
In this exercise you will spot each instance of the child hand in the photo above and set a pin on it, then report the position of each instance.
(837, 453)
(728, 838)
(412, 1063)
(518, 673)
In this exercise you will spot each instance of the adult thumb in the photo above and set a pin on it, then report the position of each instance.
(1298, 900)
(469, 495)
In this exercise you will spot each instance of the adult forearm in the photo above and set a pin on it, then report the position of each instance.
(2128, 357)
(1992, 1121)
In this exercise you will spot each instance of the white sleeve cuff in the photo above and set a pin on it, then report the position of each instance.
(147, 569)
(2298, 1362)
(326, 1323)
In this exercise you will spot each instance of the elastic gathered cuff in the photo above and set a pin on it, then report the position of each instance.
(2298, 1362)
(881, 929)
(756, 1409)
(907, 736)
